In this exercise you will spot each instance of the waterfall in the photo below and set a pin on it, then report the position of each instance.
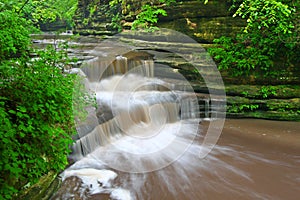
(100, 68)
(206, 105)
(130, 102)
(144, 139)
(141, 124)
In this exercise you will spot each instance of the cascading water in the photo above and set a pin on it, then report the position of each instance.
(141, 125)
(143, 129)
(145, 140)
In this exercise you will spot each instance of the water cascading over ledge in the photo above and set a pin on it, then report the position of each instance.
(155, 150)
(151, 102)
(146, 121)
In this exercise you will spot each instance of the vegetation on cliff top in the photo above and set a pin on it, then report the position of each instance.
(268, 47)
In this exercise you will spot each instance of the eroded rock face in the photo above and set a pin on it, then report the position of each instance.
(279, 102)
(94, 18)
(203, 22)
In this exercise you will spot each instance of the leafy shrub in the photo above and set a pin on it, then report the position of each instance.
(36, 102)
(269, 39)
(36, 109)
(147, 13)
(267, 91)
(14, 35)
(42, 10)
(148, 16)
(36, 119)
(240, 108)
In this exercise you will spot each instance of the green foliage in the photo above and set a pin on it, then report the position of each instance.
(263, 42)
(116, 22)
(148, 13)
(65, 9)
(14, 35)
(267, 91)
(42, 10)
(114, 2)
(148, 16)
(270, 16)
(92, 9)
(36, 106)
(37, 118)
(245, 93)
(239, 58)
(115, 14)
(238, 108)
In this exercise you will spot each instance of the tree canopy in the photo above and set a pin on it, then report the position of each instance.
(41, 10)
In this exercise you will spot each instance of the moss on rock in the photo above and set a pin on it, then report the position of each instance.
(281, 103)
(43, 189)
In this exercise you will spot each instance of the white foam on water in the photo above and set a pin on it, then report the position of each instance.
(156, 128)
(120, 194)
(98, 181)
(146, 148)
(94, 179)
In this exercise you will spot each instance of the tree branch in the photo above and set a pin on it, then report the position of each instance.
(22, 6)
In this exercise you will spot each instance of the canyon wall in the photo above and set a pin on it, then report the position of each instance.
(203, 22)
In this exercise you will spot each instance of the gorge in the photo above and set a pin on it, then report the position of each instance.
(157, 119)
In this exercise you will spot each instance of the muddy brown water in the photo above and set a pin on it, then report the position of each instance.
(272, 150)
(253, 159)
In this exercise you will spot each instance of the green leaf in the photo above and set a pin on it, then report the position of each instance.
(12, 111)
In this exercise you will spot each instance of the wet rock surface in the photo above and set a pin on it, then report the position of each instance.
(43, 189)
(71, 188)
(280, 102)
